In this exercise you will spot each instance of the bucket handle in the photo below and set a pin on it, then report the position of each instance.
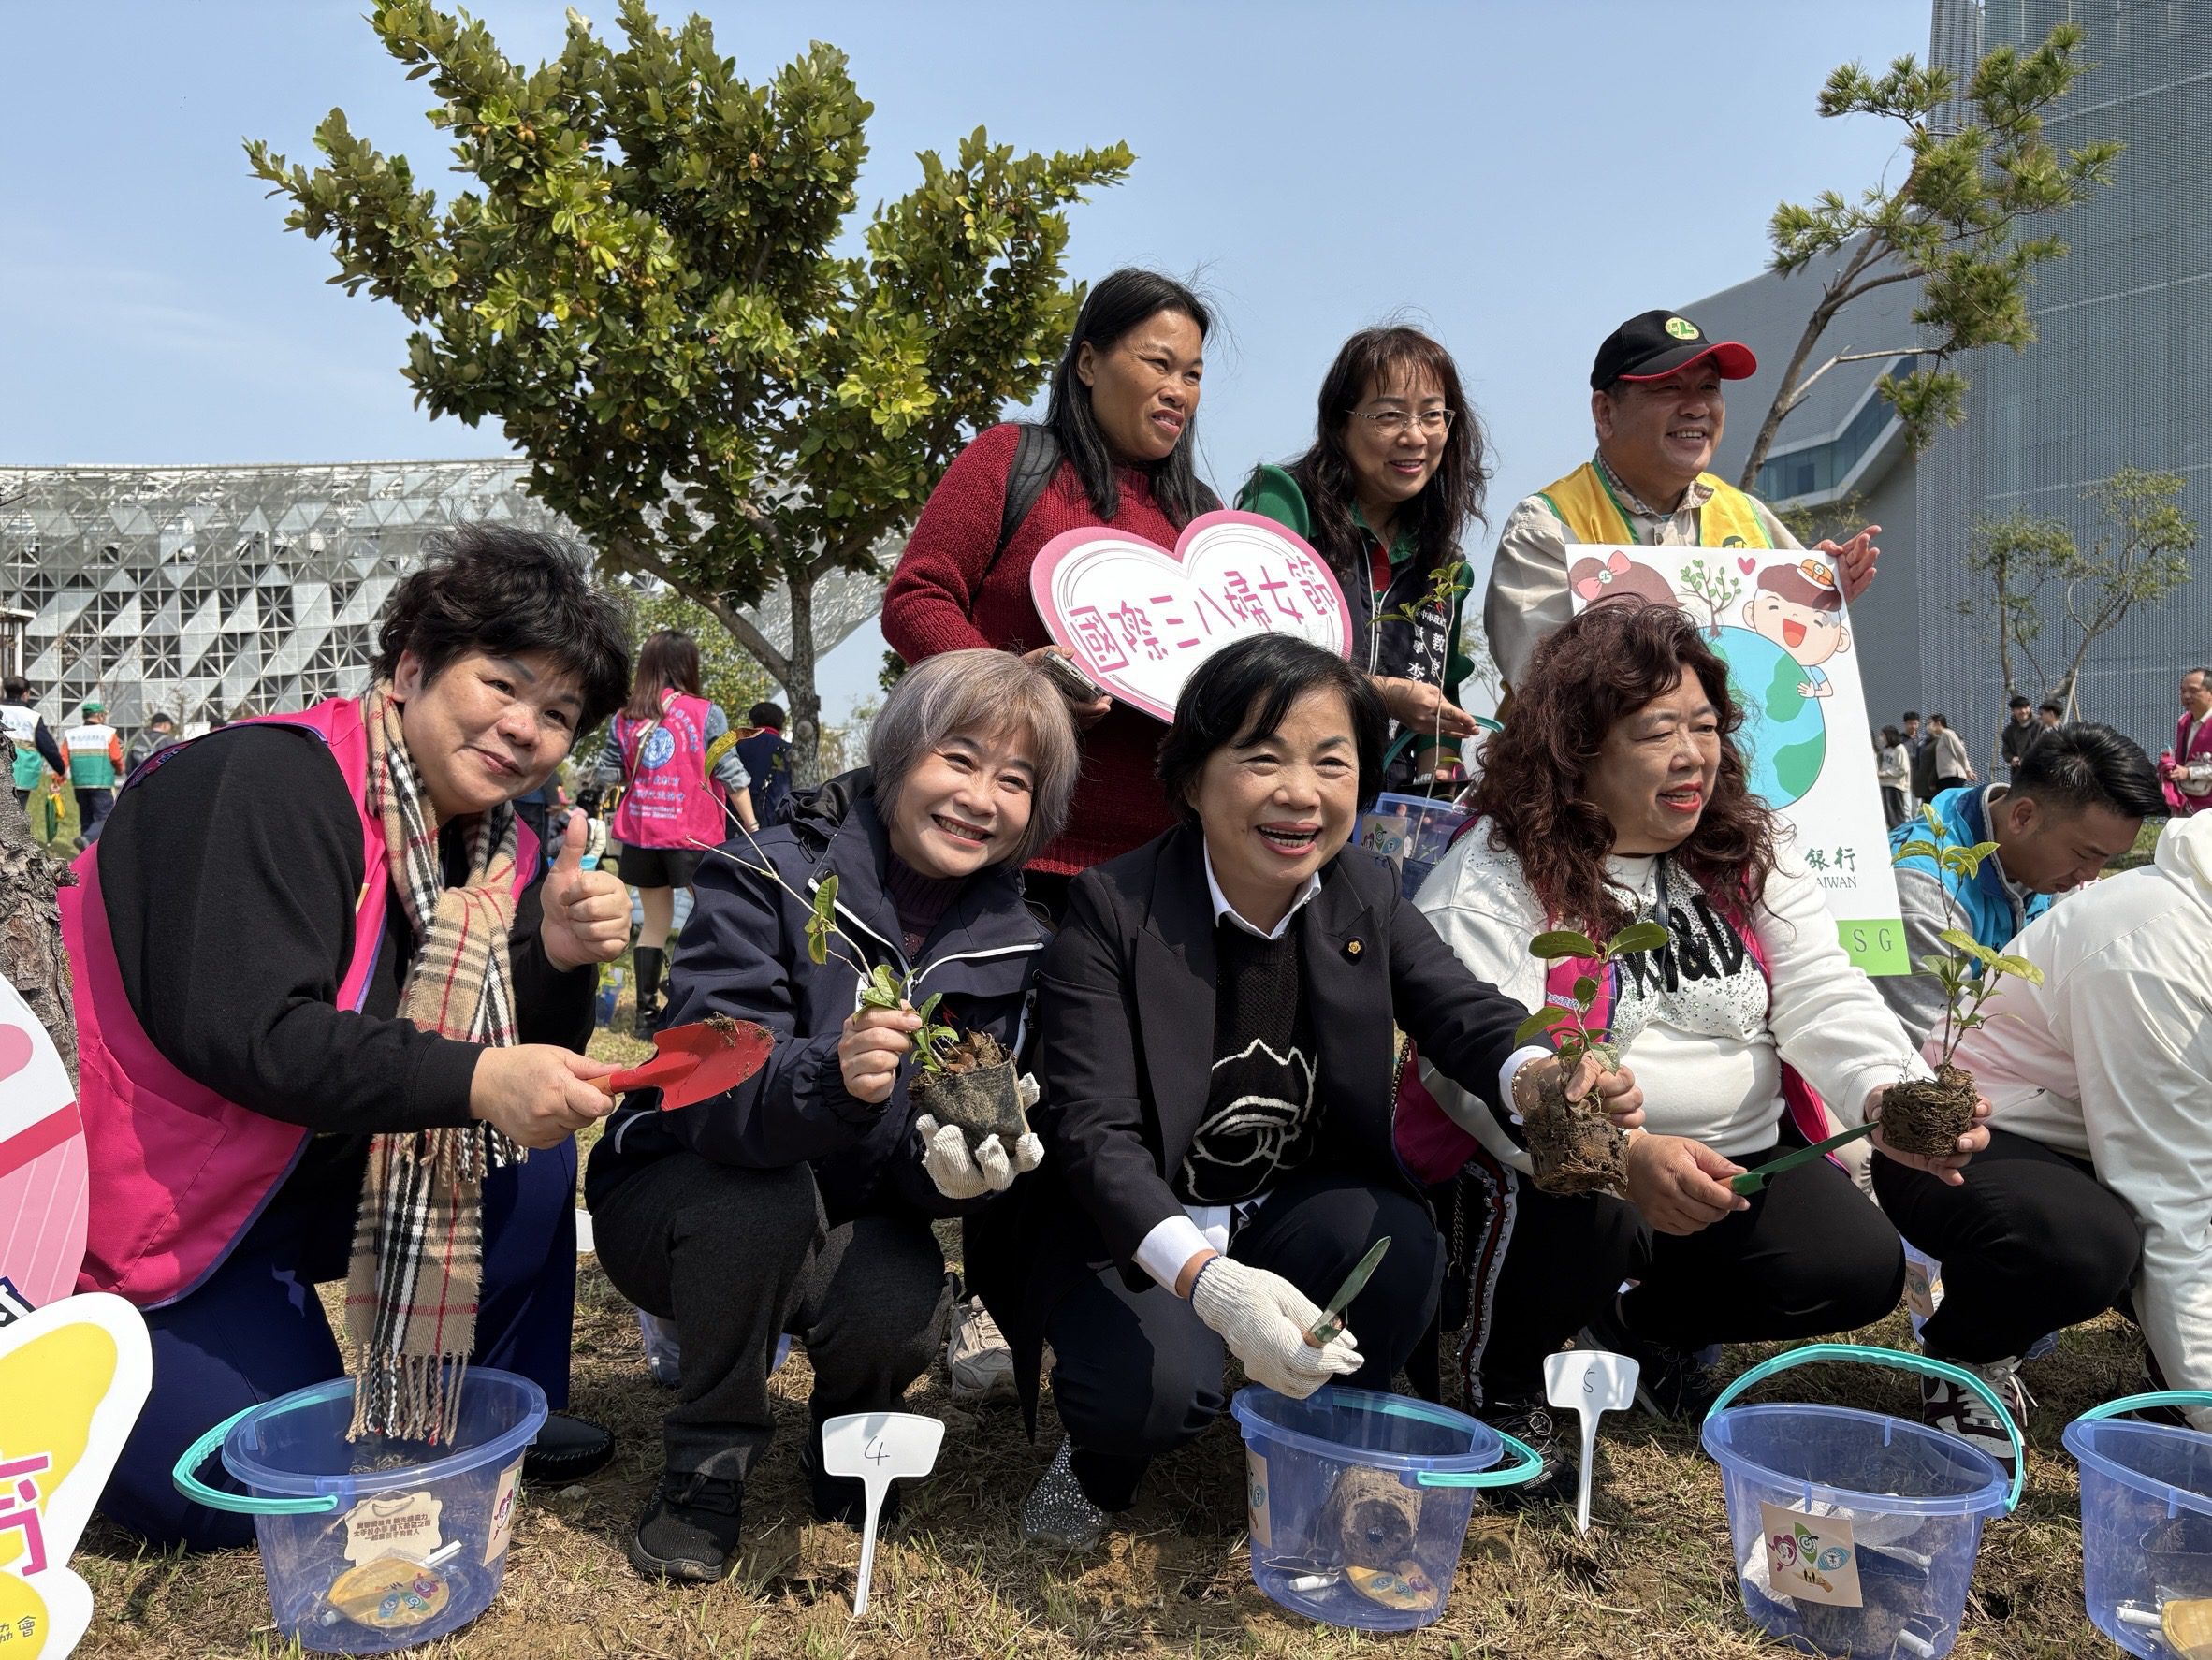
(214, 1498)
(2164, 1397)
(1902, 1362)
(1529, 1468)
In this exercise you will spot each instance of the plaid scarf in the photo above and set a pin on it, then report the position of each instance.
(418, 1243)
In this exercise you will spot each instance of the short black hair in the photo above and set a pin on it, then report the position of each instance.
(15, 685)
(1240, 695)
(505, 590)
(2050, 708)
(1911, 715)
(766, 714)
(2018, 702)
(1941, 720)
(2089, 765)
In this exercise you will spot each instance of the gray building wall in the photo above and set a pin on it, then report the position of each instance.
(1840, 447)
(2121, 374)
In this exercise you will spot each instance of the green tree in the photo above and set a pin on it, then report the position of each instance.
(2140, 560)
(1980, 170)
(655, 286)
(728, 674)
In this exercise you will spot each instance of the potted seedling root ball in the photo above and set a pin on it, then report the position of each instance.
(1927, 1116)
(963, 1078)
(1573, 1147)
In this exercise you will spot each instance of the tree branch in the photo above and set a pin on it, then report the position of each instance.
(742, 627)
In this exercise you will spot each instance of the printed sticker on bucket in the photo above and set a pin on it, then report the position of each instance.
(392, 1524)
(1810, 1558)
(503, 1513)
(1256, 1498)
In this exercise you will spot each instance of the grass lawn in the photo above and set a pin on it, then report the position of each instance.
(955, 1578)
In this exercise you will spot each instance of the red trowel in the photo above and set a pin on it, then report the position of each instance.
(695, 1062)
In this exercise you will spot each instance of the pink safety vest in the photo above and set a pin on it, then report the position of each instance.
(1433, 1146)
(177, 1173)
(667, 798)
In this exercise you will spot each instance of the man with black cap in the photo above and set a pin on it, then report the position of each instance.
(1655, 397)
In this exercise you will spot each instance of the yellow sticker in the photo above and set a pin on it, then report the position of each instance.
(1262, 1527)
(1810, 1558)
(1408, 1589)
(1681, 328)
(390, 1594)
(392, 1524)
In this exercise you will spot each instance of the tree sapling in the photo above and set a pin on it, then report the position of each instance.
(1572, 1144)
(1927, 1116)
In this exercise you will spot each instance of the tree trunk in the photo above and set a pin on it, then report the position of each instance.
(1787, 394)
(798, 681)
(31, 954)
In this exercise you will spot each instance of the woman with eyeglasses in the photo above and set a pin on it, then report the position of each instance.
(1395, 470)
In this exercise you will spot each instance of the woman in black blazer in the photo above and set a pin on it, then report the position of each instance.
(1215, 1047)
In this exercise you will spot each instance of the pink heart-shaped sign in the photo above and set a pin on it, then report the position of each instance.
(1140, 620)
(15, 1050)
(1745, 565)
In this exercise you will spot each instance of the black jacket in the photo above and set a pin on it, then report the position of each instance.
(744, 954)
(1126, 1050)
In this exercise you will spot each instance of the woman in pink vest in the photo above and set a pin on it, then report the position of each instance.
(322, 972)
(675, 758)
(1617, 793)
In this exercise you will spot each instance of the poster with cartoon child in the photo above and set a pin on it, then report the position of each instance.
(1779, 620)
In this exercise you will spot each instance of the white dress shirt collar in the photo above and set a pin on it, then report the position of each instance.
(1224, 909)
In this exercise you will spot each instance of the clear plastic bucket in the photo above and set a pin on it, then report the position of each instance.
(375, 1545)
(1359, 1501)
(2145, 1516)
(1855, 1533)
(1410, 831)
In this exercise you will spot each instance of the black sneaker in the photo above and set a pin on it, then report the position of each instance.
(688, 1530)
(1672, 1384)
(1957, 1410)
(1552, 1436)
(839, 1498)
(568, 1448)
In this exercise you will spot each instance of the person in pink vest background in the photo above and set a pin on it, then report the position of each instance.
(2187, 766)
(321, 971)
(676, 757)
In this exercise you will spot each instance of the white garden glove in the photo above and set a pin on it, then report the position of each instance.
(1264, 1318)
(959, 1174)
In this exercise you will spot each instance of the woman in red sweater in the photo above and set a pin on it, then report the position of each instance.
(1118, 437)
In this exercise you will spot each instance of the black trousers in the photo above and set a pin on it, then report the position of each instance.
(1810, 1256)
(2031, 1243)
(1894, 806)
(1137, 1374)
(737, 1257)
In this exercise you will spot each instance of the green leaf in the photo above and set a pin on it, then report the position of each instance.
(1643, 936)
(929, 1005)
(2019, 967)
(1917, 850)
(1536, 1025)
(825, 902)
(817, 941)
(1559, 943)
(1959, 939)
(1608, 1055)
(1585, 991)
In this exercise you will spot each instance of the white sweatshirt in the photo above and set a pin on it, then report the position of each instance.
(2110, 1059)
(1708, 1048)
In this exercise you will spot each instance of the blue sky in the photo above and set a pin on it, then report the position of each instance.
(1516, 178)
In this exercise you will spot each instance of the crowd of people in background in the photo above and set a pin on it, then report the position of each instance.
(1167, 932)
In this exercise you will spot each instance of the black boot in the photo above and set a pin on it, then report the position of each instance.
(689, 1528)
(648, 959)
(568, 1448)
(838, 1498)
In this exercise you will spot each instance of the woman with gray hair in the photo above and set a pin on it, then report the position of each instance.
(801, 1201)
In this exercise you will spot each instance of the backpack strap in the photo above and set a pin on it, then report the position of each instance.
(1036, 459)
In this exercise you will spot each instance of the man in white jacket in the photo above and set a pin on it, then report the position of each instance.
(2096, 1189)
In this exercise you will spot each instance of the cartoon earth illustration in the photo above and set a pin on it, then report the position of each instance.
(1785, 735)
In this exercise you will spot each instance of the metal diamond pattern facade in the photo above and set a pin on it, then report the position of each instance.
(214, 591)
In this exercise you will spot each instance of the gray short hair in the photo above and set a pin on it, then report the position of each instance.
(986, 694)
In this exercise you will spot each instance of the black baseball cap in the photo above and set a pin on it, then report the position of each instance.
(1656, 343)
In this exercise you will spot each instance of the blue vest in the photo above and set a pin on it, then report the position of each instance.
(1982, 896)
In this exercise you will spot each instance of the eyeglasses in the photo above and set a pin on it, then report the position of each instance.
(1391, 423)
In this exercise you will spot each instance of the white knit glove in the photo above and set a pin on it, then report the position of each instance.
(1264, 1318)
(959, 1174)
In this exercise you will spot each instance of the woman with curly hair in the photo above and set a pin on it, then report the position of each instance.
(1616, 792)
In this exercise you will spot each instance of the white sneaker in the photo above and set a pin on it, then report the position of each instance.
(977, 1357)
(1957, 1410)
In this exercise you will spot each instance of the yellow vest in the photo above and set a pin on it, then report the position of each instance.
(1586, 504)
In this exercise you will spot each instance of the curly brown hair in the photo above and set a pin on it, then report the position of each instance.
(1595, 672)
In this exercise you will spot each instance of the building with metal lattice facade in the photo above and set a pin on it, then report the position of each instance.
(2121, 371)
(212, 591)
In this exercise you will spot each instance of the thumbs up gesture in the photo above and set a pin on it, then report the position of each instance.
(587, 912)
